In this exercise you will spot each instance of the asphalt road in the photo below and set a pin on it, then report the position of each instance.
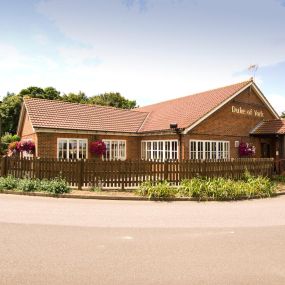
(69, 241)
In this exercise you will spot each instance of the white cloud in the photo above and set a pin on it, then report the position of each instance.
(170, 49)
(11, 58)
(277, 101)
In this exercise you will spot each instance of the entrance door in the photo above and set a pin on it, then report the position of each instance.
(265, 150)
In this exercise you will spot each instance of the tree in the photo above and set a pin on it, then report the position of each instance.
(282, 115)
(112, 99)
(75, 98)
(11, 105)
(36, 92)
(10, 112)
(51, 93)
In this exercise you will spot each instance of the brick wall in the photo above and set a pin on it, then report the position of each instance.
(47, 143)
(230, 126)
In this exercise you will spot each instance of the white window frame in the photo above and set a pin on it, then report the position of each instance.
(163, 148)
(114, 140)
(77, 150)
(216, 142)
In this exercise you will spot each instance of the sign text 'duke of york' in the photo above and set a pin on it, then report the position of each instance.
(249, 112)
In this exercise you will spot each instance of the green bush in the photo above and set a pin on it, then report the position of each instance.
(96, 189)
(54, 186)
(161, 190)
(6, 139)
(217, 188)
(28, 185)
(8, 183)
(222, 189)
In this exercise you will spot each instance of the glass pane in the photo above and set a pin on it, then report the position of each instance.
(108, 153)
(122, 150)
(167, 150)
(62, 149)
(114, 150)
(226, 150)
(200, 150)
(208, 150)
(72, 149)
(82, 149)
(214, 150)
(174, 150)
(154, 150)
(193, 150)
(220, 150)
(148, 151)
(160, 150)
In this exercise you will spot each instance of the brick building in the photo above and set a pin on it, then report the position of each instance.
(208, 125)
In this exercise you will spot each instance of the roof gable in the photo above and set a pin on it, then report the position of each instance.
(185, 111)
(191, 110)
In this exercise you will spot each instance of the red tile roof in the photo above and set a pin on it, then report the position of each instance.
(157, 117)
(270, 127)
(186, 110)
(62, 115)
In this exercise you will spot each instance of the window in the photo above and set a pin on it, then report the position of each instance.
(160, 150)
(72, 148)
(202, 149)
(115, 149)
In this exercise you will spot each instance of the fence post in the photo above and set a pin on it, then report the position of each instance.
(166, 169)
(80, 173)
(4, 166)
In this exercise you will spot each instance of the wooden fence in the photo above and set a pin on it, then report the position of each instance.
(130, 173)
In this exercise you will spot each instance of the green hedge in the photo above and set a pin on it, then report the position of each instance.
(211, 188)
(53, 186)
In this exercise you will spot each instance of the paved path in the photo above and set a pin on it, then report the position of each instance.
(68, 241)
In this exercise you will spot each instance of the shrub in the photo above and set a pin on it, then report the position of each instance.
(96, 189)
(217, 188)
(54, 186)
(161, 190)
(28, 185)
(8, 183)
(220, 188)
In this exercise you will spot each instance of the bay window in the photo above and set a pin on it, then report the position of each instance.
(161, 150)
(204, 149)
(72, 148)
(115, 149)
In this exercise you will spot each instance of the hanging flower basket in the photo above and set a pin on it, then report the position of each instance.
(98, 148)
(246, 149)
(20, 147)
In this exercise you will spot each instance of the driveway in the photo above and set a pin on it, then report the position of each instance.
(69, 241)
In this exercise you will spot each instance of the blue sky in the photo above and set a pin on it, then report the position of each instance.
(149, 50)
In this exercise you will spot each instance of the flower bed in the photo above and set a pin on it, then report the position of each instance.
(211, 188)
(53, 186)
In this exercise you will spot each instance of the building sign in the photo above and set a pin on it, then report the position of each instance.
(249, 112)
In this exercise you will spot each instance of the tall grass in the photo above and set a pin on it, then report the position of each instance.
(211, 188)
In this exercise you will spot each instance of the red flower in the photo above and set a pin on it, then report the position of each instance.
(98, 148)
(246, 149)
(27, 146)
